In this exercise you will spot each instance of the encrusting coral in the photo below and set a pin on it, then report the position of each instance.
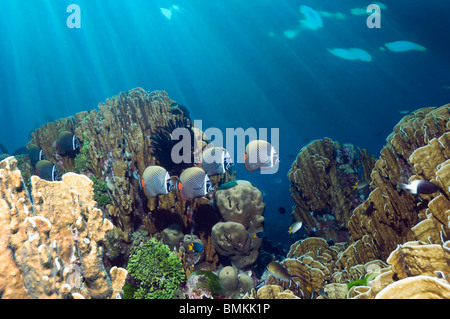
(53, 247)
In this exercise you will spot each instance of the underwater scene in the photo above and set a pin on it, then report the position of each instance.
(192, 149)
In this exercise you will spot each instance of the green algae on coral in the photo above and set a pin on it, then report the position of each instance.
(361, 282)
(211, 282)
(157, 269)
(82, 162)
(128, 291)
(100, 192)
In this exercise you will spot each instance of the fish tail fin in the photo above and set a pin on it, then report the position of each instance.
(404, 186)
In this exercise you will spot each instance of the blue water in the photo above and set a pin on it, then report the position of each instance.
(230, 64)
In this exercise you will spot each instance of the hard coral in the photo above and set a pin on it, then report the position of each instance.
(117, 147)
(242, 207)
(53, 247)
(417, 149)
(322, 184)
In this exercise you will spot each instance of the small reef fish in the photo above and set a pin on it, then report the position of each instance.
(195, 247)
(35, 153)
(216, 161)
(295, 227)
(156, 181)
(281, 210)
(360, 185)
(258, 235)
(193, 183)
(46, 170)
(67, 143)
(420, 187)
(260, 154)
(279, 271)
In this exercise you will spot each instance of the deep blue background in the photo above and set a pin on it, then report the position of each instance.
(230, 64)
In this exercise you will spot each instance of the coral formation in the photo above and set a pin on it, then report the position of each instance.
(53, 247)
(373, 239)
(232, 240)
(322, 178)
(116, 146)
(172, 236)
(417, 149)
(242, 209)
(409, 232)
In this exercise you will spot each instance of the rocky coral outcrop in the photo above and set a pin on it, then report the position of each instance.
(417, 149)
(322, 178)
(126, 134)
(116, 147)
(53, 247)
(242, 208)
(416, 271)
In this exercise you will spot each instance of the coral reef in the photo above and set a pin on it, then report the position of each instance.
(409, 232)
(416, 271)
(117, 147)
(417, 149)
(322, 178)
(373, 239)
(53, 247)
